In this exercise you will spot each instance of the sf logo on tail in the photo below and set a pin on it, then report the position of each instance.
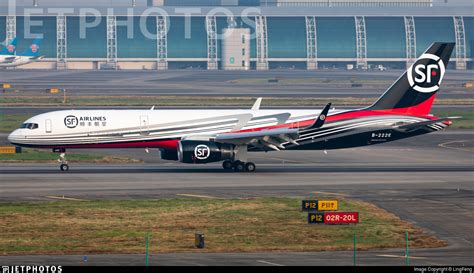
(426, 73)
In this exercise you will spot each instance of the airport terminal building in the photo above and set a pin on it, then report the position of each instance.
(238, 34)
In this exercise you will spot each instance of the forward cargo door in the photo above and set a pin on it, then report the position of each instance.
(48, 126)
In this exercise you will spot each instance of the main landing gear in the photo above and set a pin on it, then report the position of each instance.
(62, 159)
(238, 162)
(238, 166)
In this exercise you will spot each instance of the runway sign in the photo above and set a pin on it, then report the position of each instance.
(328, 205)
(333, 218)
(316, 218)
(341, 218)
(309, 205)
(321, 205)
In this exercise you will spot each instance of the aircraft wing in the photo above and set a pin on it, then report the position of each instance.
(436, 124)
(264, 139)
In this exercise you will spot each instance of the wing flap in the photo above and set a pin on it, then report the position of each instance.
(272, 138)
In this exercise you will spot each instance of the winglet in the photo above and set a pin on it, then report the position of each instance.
(319, 122)
(256, 105)
(152, 108)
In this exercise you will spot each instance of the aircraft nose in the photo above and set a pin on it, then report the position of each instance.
(14, 136)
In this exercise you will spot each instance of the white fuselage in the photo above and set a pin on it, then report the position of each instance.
(82, 127)
(19, 60)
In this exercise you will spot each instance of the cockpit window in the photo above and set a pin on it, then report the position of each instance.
(30, 126)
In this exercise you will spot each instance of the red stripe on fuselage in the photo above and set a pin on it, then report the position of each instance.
(171, 144)
(420, 110)
(351, 114)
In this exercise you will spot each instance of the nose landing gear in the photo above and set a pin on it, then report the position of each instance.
(62, 159)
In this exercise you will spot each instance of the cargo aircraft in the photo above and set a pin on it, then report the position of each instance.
(30, 55)
(203, 136)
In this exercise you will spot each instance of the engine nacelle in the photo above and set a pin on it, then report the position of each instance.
(168, 154)
(195, 151)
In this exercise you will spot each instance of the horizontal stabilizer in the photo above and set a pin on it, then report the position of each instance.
(419, 125)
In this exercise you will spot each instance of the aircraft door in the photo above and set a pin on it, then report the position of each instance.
(48, 126)
(144, 126)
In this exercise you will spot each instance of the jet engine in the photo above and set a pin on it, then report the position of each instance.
(197, 152)
(168, 154)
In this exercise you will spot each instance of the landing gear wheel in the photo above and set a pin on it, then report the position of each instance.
(239, 166)
(64, 167)
(227, 165)
(250, 167)
(62, 159)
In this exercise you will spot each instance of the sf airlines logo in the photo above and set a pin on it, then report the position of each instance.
(202, 152)
(426, 74)
(71, 121)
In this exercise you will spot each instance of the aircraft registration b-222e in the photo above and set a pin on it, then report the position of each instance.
(203, 136)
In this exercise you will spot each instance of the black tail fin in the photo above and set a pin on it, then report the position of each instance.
(414, 92)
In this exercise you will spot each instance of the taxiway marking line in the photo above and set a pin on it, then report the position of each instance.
(455, 148)
(65, 198)
(400, 256)
(198, 196)
(331, 193)
(269, 263)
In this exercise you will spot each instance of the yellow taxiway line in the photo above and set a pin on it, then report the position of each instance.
(197, 196)
(65, 198)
